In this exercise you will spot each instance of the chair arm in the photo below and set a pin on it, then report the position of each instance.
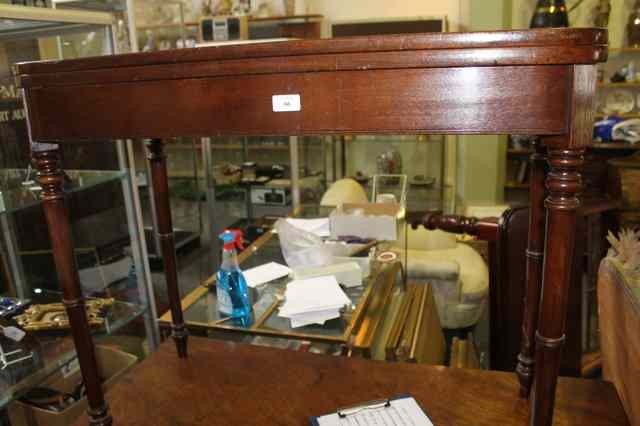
(485, 228)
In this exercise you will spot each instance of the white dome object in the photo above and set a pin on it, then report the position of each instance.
(344, 191)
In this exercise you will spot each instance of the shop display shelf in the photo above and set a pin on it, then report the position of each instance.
(16, 193)
(55, 350)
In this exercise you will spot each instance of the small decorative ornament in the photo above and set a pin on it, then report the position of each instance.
(619, 101)
(550, 14)
(602, 12)
(53, 316)
(626, 248)
(633, 26)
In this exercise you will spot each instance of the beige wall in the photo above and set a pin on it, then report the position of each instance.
(481, 159)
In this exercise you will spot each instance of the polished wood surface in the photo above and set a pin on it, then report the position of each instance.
(225, 383)
(396, 101)
(563, 183)
(527, 82)
(160, 186)
(422, 84)
(51, 179)
(587, 40)
(485, 229)
(535, 257)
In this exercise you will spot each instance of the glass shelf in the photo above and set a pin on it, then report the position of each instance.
(15, 196)
(54, 350)
(112, 261)
(203, 312)
(19, 22)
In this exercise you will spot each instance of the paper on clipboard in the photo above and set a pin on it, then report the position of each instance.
(398, 412)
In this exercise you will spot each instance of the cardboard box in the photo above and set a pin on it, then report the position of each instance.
(112, 364)
(379, 221)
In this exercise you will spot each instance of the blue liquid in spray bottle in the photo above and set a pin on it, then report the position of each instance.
(231, 287)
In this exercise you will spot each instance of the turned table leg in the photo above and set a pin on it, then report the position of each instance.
(563, 184)
(51, 178)
(535, 248)
(160, 187)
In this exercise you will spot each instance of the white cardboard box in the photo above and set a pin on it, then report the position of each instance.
(379, 221)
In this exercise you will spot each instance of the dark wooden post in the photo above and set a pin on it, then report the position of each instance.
(563, 183)
(160, 187)
(535, 255)
(47, 161)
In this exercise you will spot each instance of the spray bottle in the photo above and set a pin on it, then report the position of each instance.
(231, 286)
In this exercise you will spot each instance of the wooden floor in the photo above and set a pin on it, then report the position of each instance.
(224, 383)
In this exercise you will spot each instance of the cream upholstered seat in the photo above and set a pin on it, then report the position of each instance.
(344, 191)
(459, 275)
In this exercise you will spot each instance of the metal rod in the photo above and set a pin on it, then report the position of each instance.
(295, 171)
(13, 256)
(210, 188)
(136, 231)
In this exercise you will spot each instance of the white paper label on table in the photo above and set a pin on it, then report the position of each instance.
(286, 103)
(319, 227)
(265, 273)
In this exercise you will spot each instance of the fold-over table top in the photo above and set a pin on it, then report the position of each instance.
(572, 45)
(527, 82)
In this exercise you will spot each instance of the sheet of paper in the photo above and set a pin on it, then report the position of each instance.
(313, 301)
(403, 411)
(265, 273)
(313, 294)
(320, 227)
(318, 318)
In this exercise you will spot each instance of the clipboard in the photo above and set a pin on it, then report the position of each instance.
(401, 408)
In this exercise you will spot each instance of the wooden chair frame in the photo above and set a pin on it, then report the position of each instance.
(538, 82)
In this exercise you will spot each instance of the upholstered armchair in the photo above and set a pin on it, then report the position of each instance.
(457, 272)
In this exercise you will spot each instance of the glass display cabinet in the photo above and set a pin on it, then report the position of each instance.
(296, 171)
(387, 319)
(101, 193)
(249, 182)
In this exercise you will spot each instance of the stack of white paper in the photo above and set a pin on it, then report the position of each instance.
(313, 301)
(319, 227)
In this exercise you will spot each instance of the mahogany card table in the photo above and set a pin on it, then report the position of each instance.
(535, 82)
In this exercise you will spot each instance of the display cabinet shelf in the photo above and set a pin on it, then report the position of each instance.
(286, 20)
(622, 85)
(16, 193)
(55, 350)
(20, 22)
(106, 225)
(615, 145)
(613, 50)
(516, 185)
(625, 115)
(519, 151)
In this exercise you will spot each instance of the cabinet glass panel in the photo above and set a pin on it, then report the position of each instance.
(103, 204)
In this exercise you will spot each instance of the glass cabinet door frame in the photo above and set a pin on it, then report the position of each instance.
(36, 23)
